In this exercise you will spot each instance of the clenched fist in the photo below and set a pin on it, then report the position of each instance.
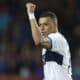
(30, 7)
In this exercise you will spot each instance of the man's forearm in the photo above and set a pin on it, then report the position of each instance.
(36, 34)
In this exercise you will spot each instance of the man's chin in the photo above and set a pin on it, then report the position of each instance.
(45, 35)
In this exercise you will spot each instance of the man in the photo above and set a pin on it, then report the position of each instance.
(56, 55)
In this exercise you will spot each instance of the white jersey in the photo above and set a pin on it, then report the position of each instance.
(57, 59)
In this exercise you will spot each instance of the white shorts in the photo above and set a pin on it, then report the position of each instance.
(53, 71)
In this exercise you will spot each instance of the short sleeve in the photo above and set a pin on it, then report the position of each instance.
(58, 41)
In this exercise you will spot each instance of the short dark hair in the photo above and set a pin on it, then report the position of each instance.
(49, 14)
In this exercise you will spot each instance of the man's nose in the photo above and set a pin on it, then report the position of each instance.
(42, 27)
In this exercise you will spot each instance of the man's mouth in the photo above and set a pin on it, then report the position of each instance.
(43, 32)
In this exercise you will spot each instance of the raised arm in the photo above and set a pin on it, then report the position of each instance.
(36, 34)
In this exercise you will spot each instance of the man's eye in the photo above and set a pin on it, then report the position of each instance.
(39, 24)
(45, 24)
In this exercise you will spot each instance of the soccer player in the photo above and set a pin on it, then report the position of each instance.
(55, 52)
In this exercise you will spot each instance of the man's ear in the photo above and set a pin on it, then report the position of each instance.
(55, 26)
(55, 23)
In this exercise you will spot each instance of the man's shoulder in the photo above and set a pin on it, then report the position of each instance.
(55, 35)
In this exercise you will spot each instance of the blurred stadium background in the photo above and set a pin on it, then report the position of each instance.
(19, 57)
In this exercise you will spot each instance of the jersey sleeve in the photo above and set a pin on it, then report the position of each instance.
(57, 41)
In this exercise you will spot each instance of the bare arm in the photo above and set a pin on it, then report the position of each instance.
(36, 34)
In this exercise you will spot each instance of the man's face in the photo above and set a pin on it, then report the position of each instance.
(46, 25)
